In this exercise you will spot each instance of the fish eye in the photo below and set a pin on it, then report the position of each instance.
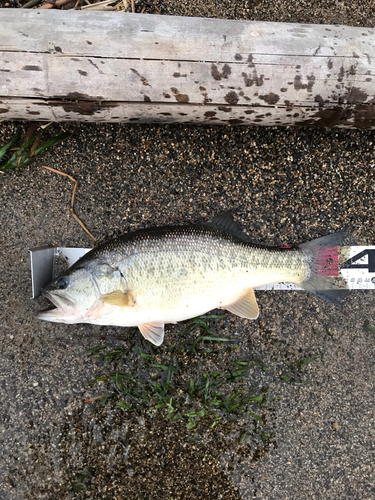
(62, 283)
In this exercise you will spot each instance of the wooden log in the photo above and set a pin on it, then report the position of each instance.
(116, 67)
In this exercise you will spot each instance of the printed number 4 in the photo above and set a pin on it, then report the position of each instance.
(351, 263)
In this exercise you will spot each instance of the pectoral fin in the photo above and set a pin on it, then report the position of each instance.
(246, 306)
(118, 298)
(154, 332)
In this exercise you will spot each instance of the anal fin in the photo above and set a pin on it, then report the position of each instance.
(246, 306)
(154, 332)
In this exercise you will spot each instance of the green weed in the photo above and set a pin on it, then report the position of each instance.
(368, 327)
(145, 378)
(27, 150)
(292, 374)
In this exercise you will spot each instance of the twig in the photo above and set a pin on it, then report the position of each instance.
(30, 3)
(35, 145)
(30, 131)
(95, 398)
(45, 125)
(72, 211)
(143, 9)
(133, 6)
(98, 5)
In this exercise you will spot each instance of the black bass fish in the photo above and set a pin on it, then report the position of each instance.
(155, 276)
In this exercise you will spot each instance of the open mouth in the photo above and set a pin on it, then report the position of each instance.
(58, 300)
(58, 307)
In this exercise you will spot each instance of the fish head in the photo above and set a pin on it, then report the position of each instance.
(75, 296)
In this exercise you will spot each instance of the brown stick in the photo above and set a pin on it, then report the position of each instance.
(30, 4)
(72, 211)
(35, 145)
(95, 398)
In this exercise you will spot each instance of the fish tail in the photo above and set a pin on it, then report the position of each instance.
(324, 278)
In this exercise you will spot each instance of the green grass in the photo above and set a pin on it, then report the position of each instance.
(25, 151)
(292, 374)
(368, 327)
(140, 377)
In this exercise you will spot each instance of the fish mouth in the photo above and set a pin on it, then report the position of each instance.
(63, 309)
(59, 301)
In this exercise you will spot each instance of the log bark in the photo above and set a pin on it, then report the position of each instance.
(122, 67)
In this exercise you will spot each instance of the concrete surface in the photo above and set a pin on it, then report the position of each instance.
(286, 186)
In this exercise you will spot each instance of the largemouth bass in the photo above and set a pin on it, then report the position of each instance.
(164, 275)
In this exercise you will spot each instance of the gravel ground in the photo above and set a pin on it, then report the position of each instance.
(285, 186)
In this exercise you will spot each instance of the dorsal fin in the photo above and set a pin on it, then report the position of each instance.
(225, 222)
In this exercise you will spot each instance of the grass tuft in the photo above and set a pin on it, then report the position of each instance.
(27, 150)
(144, 378)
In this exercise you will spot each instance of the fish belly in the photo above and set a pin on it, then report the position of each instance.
(177, 307)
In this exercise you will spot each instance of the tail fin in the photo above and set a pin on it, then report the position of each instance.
(324, 279)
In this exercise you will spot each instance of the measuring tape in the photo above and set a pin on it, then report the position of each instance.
(357, 267)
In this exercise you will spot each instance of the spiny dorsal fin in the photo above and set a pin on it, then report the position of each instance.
(118, 298)
(225, 222)
(154, 332)
(246, 306)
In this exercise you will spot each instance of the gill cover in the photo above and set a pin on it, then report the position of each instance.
(73, 295)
